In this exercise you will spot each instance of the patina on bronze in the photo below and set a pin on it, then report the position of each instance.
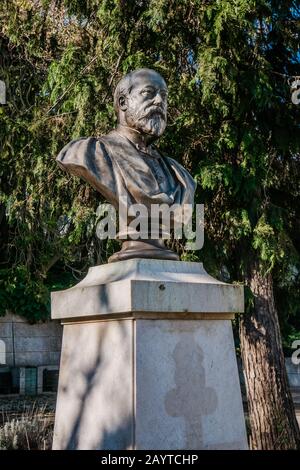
(126, 163)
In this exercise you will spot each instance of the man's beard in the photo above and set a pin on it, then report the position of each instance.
(151, 122)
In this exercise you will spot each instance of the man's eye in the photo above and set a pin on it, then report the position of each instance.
(147, 92)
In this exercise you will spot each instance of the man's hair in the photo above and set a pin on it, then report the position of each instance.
(123, 88)
(125, 85)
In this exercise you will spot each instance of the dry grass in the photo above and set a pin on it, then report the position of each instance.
(31, 430)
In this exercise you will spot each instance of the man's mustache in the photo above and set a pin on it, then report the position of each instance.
(153, 110)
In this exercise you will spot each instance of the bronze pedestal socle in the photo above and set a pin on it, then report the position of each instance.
(126, 163)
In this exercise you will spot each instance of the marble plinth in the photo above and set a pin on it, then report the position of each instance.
(148, 359)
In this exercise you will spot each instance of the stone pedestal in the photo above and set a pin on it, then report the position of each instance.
(148, 359)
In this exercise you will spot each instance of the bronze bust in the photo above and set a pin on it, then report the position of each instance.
(125, 162)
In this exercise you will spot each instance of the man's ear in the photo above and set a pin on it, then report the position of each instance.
(123, 103)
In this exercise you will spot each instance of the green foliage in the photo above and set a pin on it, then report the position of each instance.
(231, 123)
(27, 296)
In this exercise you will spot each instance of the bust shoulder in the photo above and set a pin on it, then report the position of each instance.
(82, 151)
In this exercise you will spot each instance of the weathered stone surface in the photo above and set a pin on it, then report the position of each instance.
(180, 376)
(39, 329)
(187, 386)
(32, 345)
(140, 286)
(293, 371)
(37, 344)
(39, 358)
(148, 383)
(5, 330)
(291, 367)
(95, 406)
(54, 358)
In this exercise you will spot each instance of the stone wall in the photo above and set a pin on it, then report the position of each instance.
(293, 371)
(29, 345)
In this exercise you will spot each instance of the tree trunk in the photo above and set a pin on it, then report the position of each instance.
(271, 411)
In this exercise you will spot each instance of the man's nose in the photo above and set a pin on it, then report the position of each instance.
(158, 99)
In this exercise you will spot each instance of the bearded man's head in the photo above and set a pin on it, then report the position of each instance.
(140, 102)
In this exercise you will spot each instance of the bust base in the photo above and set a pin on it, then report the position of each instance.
(148, 249)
